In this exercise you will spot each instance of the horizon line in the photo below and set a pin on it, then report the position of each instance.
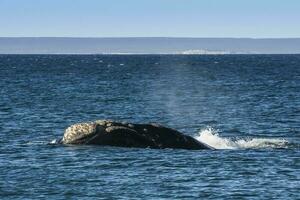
(144, 37)
(143, 54)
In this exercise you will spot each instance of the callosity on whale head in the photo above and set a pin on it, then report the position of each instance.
(80, 133)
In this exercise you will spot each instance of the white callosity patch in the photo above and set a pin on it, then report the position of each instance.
(79, 130)
(211, 137)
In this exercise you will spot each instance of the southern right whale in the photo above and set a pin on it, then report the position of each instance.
(111, 133)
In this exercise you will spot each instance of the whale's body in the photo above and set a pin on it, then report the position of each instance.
(106, 132)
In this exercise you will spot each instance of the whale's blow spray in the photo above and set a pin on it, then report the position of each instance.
(211, 137)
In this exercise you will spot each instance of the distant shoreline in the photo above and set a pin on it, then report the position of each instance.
(143, 54)
(148, 45)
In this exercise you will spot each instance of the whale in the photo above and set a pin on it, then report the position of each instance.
(123, 134)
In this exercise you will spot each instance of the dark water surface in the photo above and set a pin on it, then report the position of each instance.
(247, 106)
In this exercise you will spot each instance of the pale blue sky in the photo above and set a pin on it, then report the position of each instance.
(131, 18)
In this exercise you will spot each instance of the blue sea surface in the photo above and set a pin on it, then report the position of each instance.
(246, 106)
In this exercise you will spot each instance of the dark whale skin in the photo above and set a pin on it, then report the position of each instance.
(111, 133)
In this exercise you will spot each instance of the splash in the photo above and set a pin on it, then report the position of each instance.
(55, 141)
(211, 137)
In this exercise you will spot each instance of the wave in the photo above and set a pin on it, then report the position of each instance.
(211, 137)
(204, 52)
(185, 52)
(55, 141)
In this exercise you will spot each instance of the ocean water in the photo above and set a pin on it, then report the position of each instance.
(246, 106)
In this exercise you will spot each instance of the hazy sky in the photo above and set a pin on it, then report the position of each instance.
(177, 18)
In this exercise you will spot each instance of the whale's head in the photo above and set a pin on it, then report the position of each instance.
(82, 133)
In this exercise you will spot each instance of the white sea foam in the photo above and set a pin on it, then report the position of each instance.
(203, 51)
(55, 141)
(211, 137)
